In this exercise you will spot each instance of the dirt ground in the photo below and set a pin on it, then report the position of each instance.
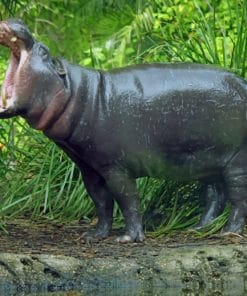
(32, 237)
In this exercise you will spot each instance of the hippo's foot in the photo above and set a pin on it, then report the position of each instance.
(198, 226)
(237, 227)
(99, 233)
(236, 222)
(133, 235)
(206, 219)
(215, 197)
(201, 224)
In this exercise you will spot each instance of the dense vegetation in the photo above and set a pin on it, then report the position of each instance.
(36, 178)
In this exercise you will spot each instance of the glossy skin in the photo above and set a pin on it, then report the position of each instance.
(184, 121)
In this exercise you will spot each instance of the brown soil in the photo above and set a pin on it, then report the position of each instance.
(32, 237)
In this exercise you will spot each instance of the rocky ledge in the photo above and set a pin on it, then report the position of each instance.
(192, 270)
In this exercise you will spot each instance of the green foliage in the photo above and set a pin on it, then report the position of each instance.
(169, 205)
(37, 179)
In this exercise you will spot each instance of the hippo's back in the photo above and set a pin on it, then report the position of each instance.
(151, 81)
(181, 112)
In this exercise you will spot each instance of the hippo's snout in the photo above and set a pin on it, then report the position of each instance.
(15, 35)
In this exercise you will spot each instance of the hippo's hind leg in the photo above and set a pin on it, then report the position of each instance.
(103, 200)
(215, 197)
(236, 181)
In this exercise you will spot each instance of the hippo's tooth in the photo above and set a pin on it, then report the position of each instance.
(13, 39)
(4, 98)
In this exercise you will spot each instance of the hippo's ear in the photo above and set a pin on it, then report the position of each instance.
(61, 71)
(59, 66)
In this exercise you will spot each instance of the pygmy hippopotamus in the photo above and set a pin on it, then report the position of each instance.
(185, 121)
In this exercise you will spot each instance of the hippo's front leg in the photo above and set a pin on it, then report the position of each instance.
(103, 200)
(124, 190)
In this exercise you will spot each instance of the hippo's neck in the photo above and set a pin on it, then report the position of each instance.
(52, 112)
(49, 103)
(83, 109)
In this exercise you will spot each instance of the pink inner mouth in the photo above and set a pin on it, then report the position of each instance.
(8, 39)
(9, 77)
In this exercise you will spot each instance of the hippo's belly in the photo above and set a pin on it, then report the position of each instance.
(180, 165)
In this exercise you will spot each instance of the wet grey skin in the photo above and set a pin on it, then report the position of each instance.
(184, 121)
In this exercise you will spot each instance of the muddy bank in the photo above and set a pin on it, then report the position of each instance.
(39, 258)
(205, 269)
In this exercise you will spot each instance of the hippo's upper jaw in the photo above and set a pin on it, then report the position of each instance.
(19, 40)
(33, 86)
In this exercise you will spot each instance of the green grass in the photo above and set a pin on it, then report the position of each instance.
(41, 181)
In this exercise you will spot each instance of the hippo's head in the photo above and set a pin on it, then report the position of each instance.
(35, 85)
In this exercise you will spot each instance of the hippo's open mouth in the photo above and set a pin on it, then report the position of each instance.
(18, 56)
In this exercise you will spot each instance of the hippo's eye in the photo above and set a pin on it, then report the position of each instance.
(43, 52)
